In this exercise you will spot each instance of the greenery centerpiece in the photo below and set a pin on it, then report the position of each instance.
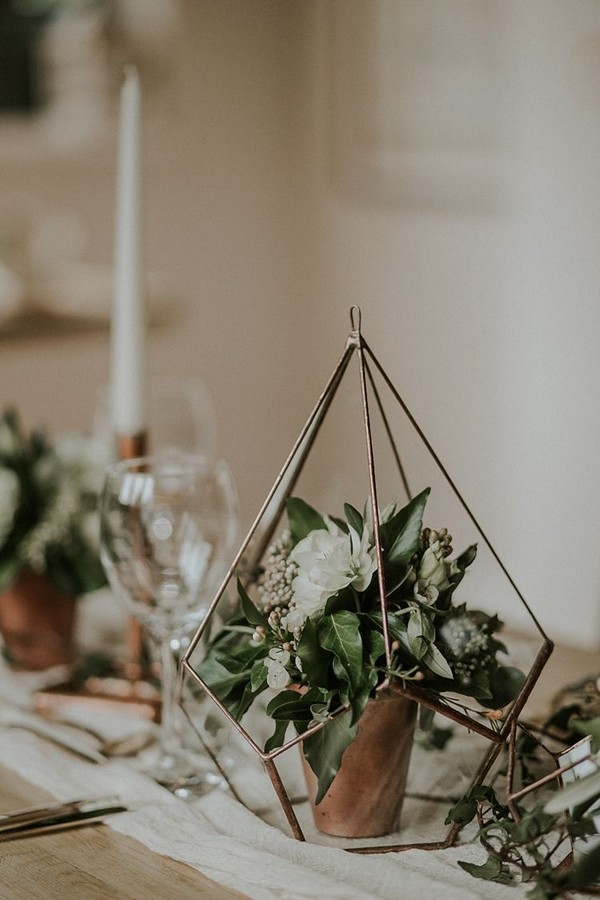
(310, 629)
(49, 543)
(48, 508)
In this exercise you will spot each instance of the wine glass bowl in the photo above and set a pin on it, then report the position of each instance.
(180, 417)
(168, 524)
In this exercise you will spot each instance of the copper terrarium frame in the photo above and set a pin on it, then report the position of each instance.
(257, 540)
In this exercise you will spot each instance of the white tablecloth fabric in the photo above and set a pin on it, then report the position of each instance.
(231, 845)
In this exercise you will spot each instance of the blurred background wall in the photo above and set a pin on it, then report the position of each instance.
(434, 161)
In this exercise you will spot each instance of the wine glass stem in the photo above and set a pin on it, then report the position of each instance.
(169, 732)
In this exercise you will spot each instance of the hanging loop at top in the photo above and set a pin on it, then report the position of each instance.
(355, 318)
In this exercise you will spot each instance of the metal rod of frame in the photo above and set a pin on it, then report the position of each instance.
(310, 429)
(451, 483)
(500, 737)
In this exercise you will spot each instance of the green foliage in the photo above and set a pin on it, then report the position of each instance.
(311, 629)
(532, 846)
(48, 509)
(302, 518)
(324, 750)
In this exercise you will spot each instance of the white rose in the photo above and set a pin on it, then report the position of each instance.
(329, 561)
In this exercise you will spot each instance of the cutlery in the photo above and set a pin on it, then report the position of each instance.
(64, 736)
(52, 817)
(72, 736)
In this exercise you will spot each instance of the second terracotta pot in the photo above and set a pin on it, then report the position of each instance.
(37, 623)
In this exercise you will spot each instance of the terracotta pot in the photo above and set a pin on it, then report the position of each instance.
(37, 623)
(366, 795)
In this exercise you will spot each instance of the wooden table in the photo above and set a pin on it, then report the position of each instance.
(89, 863)
(95, 862)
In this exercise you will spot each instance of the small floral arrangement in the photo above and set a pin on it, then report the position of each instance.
(313, 633)
(48, 508)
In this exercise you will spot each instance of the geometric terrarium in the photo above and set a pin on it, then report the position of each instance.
(347, 623)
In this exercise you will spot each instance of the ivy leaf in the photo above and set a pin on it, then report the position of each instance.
(491, 870)
(302, 519)
(340, 634)
(252, 613)
(324, 750)
(462, 812)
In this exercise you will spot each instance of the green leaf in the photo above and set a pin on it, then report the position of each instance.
(374, 644)
(575, 793)
(462, 812)
(363, 693)
(400, 534)
(354, 518)
(258, 674)
(316, 661)
(491, 870)
(340, 634)
(294, 706)
(302, 519)
(505, 684)
(278, 737)
(426, 717)
(438, 664)
(437, 738)
(588, 726)
(252, 613)
(420, 632)
(219, 678)
(587, 870)
(400, 539)
(324, 751)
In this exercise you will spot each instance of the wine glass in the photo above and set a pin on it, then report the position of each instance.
(167, 527)
(180, 417)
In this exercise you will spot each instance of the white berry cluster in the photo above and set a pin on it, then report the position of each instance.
(275, 584)
(468, 645)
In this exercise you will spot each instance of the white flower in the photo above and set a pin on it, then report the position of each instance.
(294, 618)
(426, 593)
(9, 499)
(433, 567)
(276, 662)
(328, 561)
